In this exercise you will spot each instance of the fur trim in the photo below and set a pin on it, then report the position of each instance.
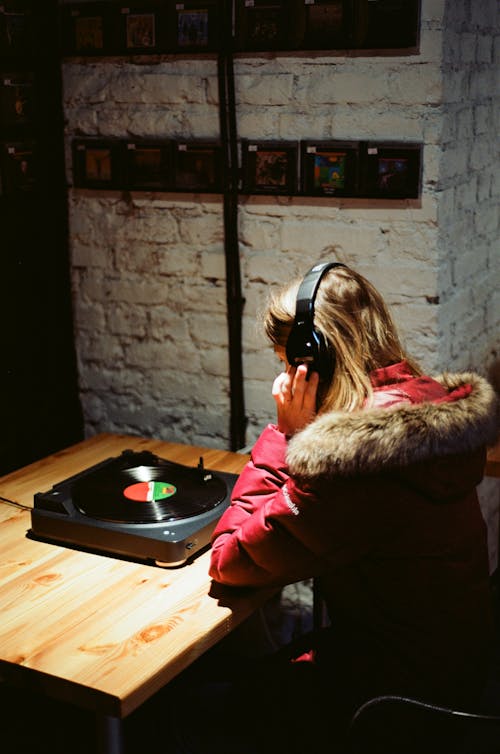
(340, 443)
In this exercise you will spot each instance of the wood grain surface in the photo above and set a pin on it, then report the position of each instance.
(98, 631)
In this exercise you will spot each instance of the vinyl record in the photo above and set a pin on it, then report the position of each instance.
(148, 493)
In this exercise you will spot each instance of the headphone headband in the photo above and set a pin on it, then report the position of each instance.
(308, 288)
(305, 344)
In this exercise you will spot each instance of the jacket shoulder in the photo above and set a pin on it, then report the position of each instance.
(366, 441)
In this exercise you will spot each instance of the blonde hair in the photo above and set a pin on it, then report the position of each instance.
(357, 328)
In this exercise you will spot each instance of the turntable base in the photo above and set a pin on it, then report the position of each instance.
(136, 506)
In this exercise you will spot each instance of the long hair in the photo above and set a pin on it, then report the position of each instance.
(356, 325)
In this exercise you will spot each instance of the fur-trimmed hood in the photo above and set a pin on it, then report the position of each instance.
(379, 439)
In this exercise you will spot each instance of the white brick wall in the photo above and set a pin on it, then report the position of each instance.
(149, 271)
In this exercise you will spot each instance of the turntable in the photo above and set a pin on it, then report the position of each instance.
(135, 505)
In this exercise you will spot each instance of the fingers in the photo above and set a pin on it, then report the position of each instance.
(280, 389)
(306, 388)
(295, 397)
(283, 386)
(295, 385)
(305, 385)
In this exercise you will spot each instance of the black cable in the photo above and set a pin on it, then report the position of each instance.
(7, 501)
(235, 302)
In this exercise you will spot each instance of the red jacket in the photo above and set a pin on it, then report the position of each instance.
(380, 506)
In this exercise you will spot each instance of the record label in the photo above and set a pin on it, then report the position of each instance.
(148, 491)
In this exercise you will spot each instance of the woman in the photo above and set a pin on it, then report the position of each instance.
(367, 483)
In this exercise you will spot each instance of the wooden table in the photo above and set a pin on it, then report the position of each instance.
(103, 633)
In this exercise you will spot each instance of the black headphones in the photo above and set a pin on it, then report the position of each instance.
(305, 344)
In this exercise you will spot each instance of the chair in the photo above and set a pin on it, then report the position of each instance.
(402, 725)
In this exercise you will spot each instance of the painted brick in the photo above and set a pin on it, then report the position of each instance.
(148, 270)
(260, 89)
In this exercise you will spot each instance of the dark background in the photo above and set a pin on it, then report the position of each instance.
(39, 406)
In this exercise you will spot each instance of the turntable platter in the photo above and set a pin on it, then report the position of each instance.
(144, 493)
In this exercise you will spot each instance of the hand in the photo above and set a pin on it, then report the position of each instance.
(295, 397)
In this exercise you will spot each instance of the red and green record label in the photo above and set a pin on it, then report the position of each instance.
(147, 492)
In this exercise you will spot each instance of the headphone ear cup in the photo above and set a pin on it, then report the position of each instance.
(305, 344)
(324, 359)
(301, 346)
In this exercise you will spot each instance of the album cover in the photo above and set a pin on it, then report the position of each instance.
(149, 165)
(17, 98)
(19, 168)
(195, 26)
(141, 29)
(197, 166)
(330, 168)
(269, 167)
(262, 25)
(17, 35)
(327, 25)
(87, 28)
(392, 170)
(97, 163)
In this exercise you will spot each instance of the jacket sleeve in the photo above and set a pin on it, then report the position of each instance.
(257, 540)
